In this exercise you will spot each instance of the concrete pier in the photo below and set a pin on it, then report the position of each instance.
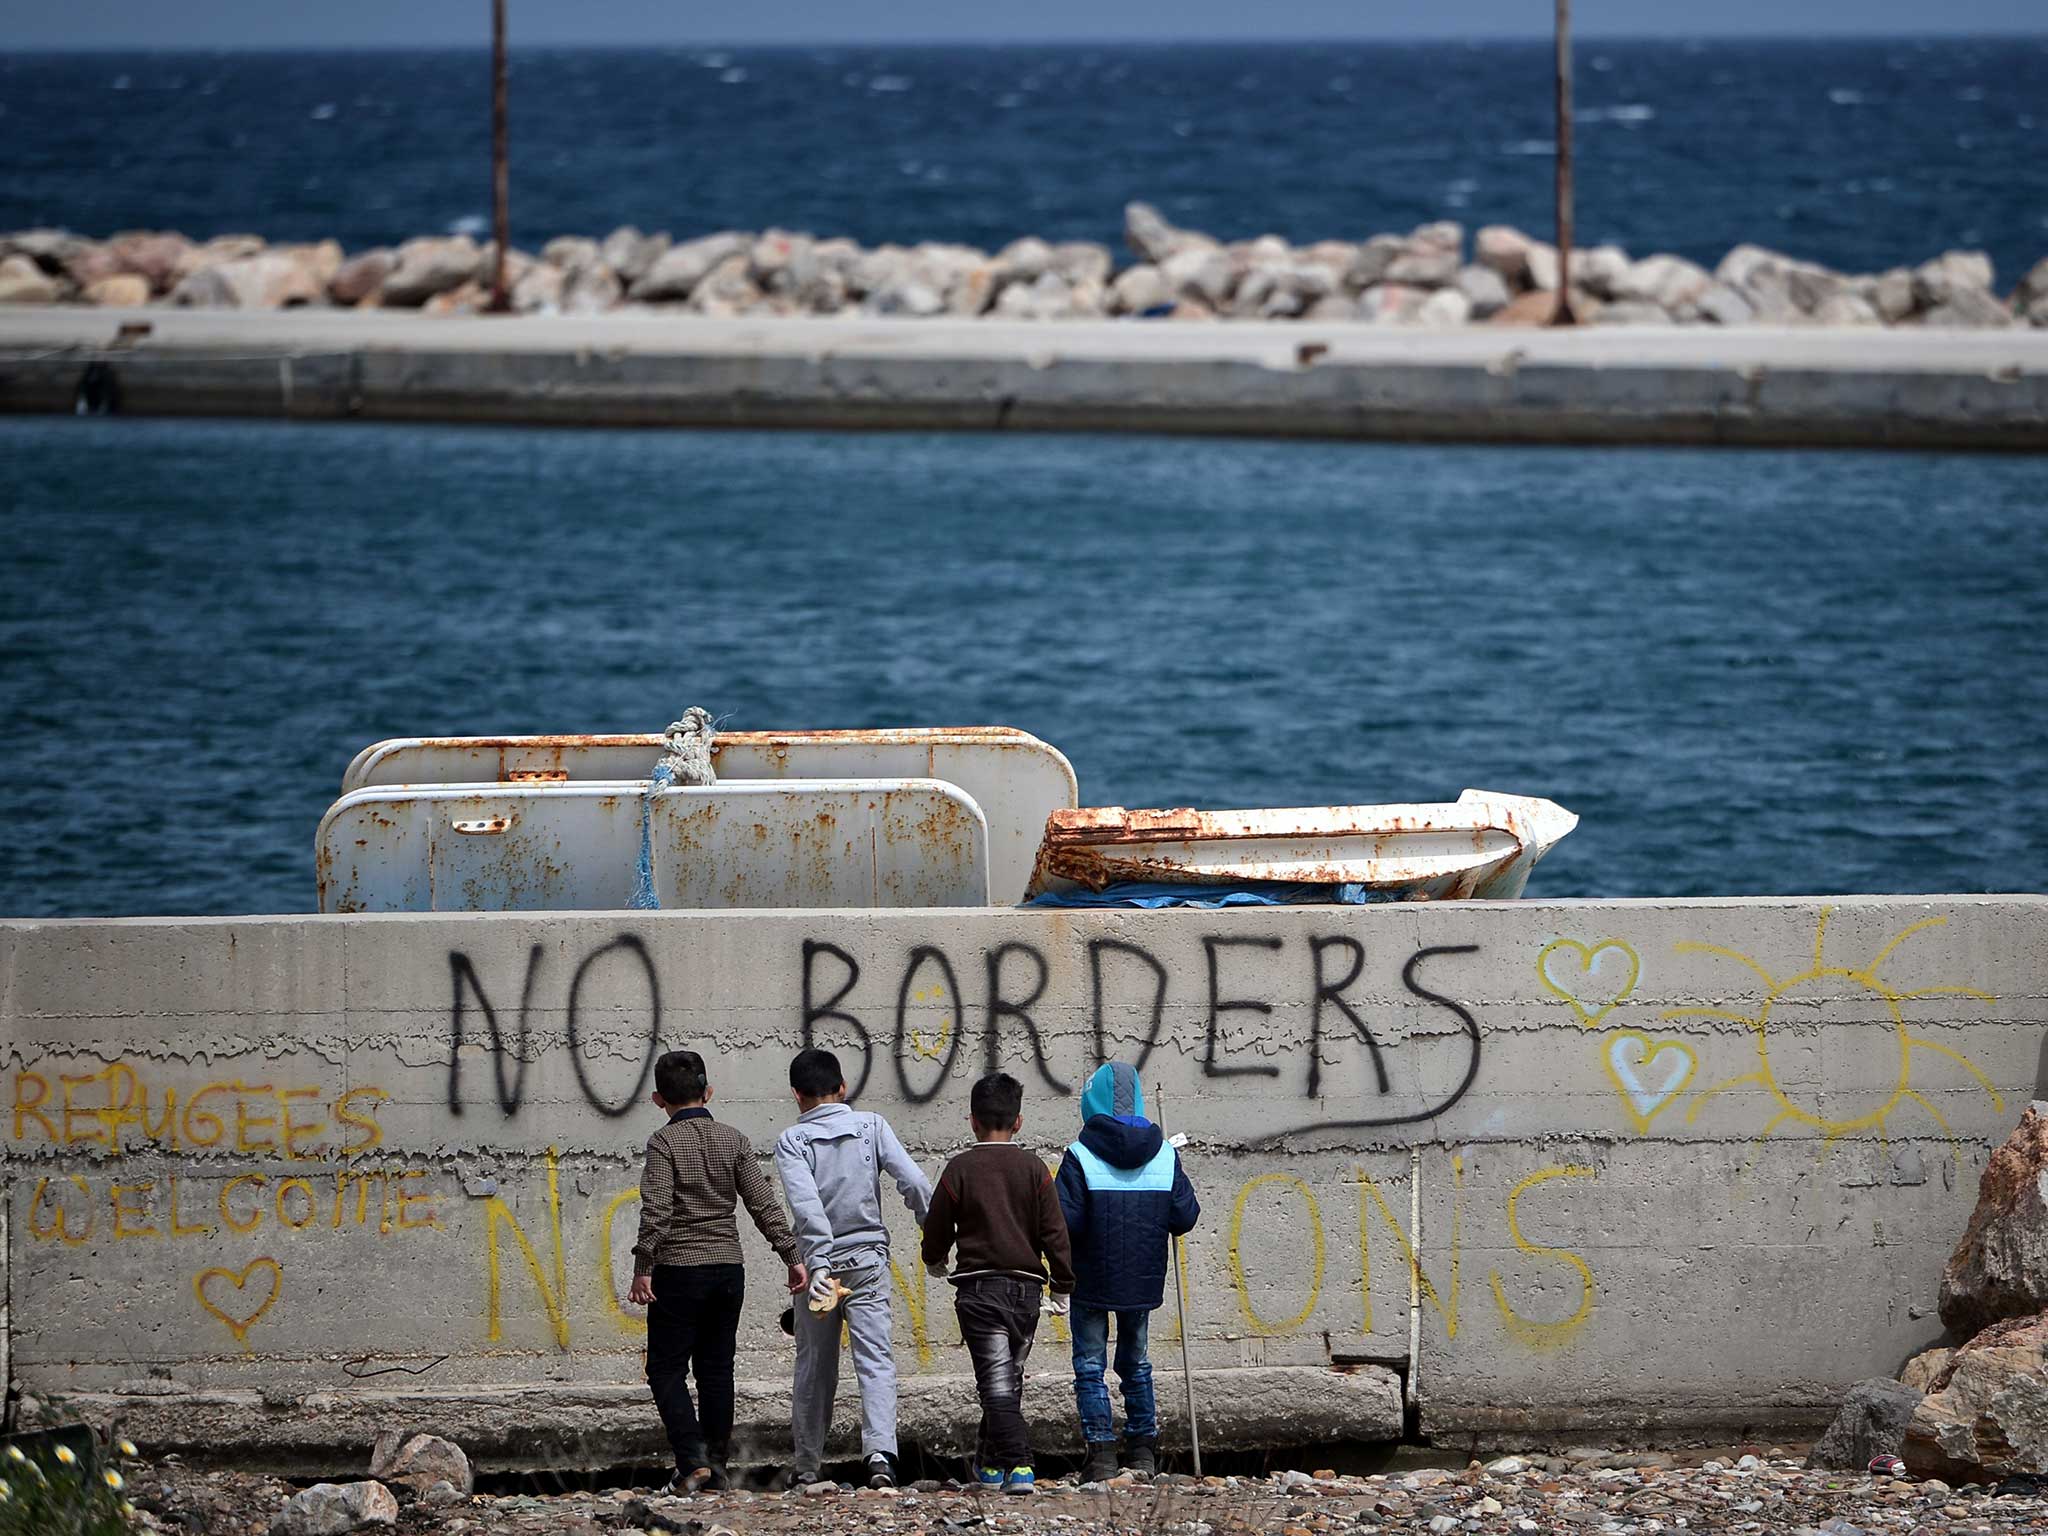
(1538, 1168)
(1745, 386)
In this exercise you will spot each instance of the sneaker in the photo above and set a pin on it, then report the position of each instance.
(1142, 1456)
(880, 1473)
(1020, 1480)
(1100, 1466)
(796, 1479)
(989, 1477)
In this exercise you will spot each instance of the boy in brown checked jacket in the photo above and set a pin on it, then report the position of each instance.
(688, 1270)
(997, 1202)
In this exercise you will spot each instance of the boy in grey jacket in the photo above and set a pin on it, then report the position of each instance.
(832, 1161)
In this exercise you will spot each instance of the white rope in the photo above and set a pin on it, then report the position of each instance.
(685, 760)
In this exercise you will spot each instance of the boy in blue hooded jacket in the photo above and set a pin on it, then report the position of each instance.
(1125, 1198)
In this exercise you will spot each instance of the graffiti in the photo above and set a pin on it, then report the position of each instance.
(239, 1314)
(921, 956)
(1256, 1323)
(1650, 1075)
(1369, 1187)
(929, 1049)
(1591, 998)
(553, 1289)
(1212, 949)
(512, 1092)
(1541, 1335)
(167, 1208)
(1775, 992)
(1097, 948)
(96, 1109)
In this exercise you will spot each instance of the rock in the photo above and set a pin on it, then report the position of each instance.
(538, 290)
(1922, 1370)
(727, 289)
(1988, 1417)
(1670, 282)
(1846, 309)
(1082, 261)
(1190, 309)
(51, 250)
(1152, 239)
(1138, 289)
(330, 1509)
(1390, 303)
(1600, 270)
(1372, 261)
(2033, 287)
(1541, 266)
(1433, 257)
(777, 260)
(321, 259)
(1532, 308)
(443, 1493)
(1335, 257)
(1953, 272)
(590, 290)
(1967, 309)
(1443, 309)
(906, 295)
(821, 1487)
(24, 282)
(1722, 305)
(1504, 250)
(1485, 290)
(469, 299)
(1506, 1466)
(421, 1460)
(1026, 259)
(360, 276)
(570, 252)
(430, 266)
(155, 258)
(271, 280)
(1199, 272)
(2000, 1267)
(631, 254)
(1891, 295)
(1332, 306)
(1871, 1422)
(675, 274)
(1631, 312)
(124, 290)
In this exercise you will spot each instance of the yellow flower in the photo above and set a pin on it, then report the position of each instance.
(126, 1447)
(66, 1455)
(128, 1510)
(6, 1489)
(113, 1479)
(15, 1452)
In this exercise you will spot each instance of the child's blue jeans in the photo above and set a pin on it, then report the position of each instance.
(1133, 1370)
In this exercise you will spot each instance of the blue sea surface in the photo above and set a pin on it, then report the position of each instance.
(1863, 154)
(1749, 672)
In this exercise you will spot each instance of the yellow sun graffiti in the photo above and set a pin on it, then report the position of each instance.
(1776, 991)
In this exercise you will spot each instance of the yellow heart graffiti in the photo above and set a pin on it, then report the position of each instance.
(1651, 1077)
(1591, 1009)
(240, 1322)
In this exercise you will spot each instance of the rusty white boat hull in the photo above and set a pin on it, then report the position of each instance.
(1481, 846)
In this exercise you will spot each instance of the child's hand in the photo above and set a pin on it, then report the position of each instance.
(641, 1293)
(937, 1269)
(799, 1277)
(1057, 1304)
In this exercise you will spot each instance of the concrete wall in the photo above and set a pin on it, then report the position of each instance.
(271, 1181)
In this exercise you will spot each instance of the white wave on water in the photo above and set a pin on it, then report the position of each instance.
(733, 76)
(890, 83)
(121, 83)
(324, 111)
(714, 60)
(1602, 63)
(1842, 96)
(469, 224)
(1530, 147)
(1626, 112)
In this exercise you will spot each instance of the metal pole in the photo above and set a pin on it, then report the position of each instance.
(1180, 1310)
(501, 180)
(1563, 315)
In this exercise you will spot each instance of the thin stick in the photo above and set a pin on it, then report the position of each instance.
(1180, 1306)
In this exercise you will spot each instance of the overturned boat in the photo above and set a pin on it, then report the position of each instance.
(914, 817)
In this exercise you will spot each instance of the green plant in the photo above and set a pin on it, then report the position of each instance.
(59, 1494)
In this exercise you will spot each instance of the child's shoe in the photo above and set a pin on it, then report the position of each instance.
(990, 1478)
(1141, 1456)
(1021, 1480)
(880, 1473)
(1100, 1466)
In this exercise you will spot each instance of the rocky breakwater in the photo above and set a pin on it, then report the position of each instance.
(1430, 277)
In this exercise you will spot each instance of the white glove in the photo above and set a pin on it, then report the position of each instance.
(822, 1291)
(1058, 1305)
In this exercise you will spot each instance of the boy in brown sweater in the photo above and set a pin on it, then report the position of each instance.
(688, 1270)
(997, 1201)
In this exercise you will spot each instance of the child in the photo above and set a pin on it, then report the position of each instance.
(1125, 1199)
(688, 1270)
(832, 1161)
(997, 1200)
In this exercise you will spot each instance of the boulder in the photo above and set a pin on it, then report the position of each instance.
(1987, 1416)
(1504, 250)
(1336, 257)
(420, 1461)
(1390, 303)
(1891, 295)
(904, 294)
(88, 262)
(1541, 266)
(728, 288)
(1191, 309)
(1026, 260)
(469, 299)
(874, 270)
(1722, 305)
(2033, 288)
(1631, 312)
(1967, 309)
(631, 254)
(1374, 257)
(1923, 1369)
(539, 289)
(1444, 309)
(1333, 306)
(51, 250)
(220, 248)
(2000, 1267)
(591, 290)
(571, 252)
(22, 281)
(429, 266)
(271, 280)
(1484, 289)
(360, 276)
(1199, 272)
(332, 1509)
(1811, 288)
(1532, 308)
(777, 259)
(1600, 270)
(1432, 258)
(1083, 261)
(156, 258)
(1051, 297)
(320, 259)
(1670, 282)
(675, 274)
(1151, 238)
(1138, 289)
(1951, 273)
(1872, 1422)
(1846, 309)
(124, 290)
(975, 291)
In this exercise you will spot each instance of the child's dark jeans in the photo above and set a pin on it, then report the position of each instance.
(695, 1322)
(1133, 1368)
(998, 1321)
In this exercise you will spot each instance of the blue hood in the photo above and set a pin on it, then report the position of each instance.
(1113, 1090)
(1122, 1142)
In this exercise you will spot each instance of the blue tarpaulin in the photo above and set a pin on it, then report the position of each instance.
(1250, 893)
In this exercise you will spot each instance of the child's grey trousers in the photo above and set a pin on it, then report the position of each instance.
(867, 1318)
